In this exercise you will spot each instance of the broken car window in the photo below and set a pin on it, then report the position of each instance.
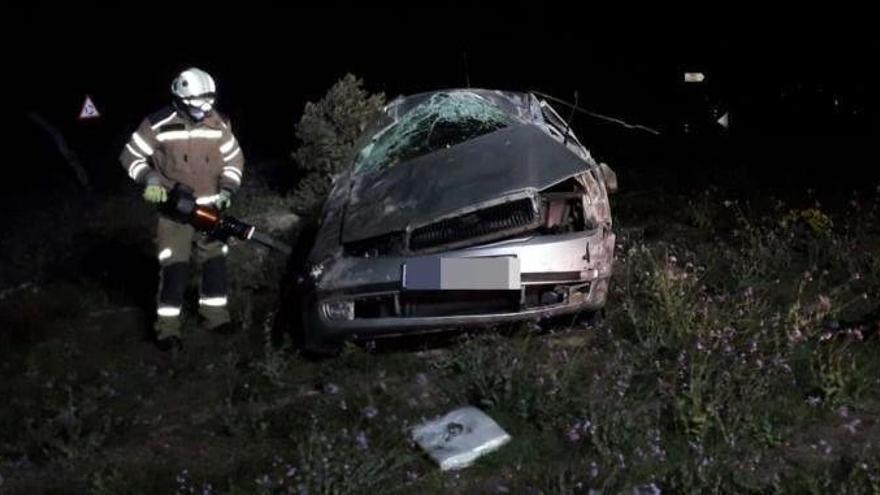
(444, 120)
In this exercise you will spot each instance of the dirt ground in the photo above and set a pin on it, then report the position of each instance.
(738, 354)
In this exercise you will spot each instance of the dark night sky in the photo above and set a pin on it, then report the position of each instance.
(268, 63)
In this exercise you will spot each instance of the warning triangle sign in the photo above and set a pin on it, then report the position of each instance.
(89, 111)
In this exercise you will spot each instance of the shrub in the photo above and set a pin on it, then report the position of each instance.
(328, 132)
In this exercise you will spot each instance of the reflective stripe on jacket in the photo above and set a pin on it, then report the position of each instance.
(170, 147)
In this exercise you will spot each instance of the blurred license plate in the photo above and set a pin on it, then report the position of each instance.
(484, 273)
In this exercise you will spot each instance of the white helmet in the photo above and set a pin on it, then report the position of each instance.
(196, 89)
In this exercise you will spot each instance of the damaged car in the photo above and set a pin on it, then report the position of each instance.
(463, 208)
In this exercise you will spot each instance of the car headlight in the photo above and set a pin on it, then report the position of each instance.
(338, 310)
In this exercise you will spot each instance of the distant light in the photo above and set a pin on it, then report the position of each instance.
(724, 120)
(694, 77)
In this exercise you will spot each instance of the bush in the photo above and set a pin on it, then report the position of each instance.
(328, 131)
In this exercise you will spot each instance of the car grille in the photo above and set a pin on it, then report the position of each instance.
(477, 226)
(376, 246)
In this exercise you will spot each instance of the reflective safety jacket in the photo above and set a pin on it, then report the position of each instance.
(170, 147)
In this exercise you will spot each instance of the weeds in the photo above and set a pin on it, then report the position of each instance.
(71, 431)
(738, 355)
(276, 359)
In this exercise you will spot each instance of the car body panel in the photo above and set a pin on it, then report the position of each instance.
(431, 186)
(562, 240)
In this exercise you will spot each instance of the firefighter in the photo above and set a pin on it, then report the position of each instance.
(189, 143)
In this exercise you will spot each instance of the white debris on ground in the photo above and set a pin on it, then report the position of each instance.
(456, 440)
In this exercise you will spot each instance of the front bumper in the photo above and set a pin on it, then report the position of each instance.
(560, 274)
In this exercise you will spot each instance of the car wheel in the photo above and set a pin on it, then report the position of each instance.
(305, 336)
(583, 319)
(296, 308)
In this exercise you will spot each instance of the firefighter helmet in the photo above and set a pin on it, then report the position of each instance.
(195, 88)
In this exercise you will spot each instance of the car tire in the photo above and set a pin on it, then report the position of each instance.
(305, 337)
(296, 308)
(592, 319)
(582, 319)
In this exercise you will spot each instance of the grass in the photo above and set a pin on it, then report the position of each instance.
(738, 354)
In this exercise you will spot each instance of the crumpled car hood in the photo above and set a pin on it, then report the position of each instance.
(417, 191)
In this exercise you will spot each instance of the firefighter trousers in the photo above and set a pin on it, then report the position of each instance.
(177, 244)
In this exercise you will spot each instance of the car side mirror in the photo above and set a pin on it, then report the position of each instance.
(609, 176)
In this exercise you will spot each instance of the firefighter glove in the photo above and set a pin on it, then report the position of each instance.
(224, 199)
(155, 194)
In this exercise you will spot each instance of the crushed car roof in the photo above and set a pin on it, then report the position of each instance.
(448, 150)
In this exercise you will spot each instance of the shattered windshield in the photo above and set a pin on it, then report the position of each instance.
(443, 120)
